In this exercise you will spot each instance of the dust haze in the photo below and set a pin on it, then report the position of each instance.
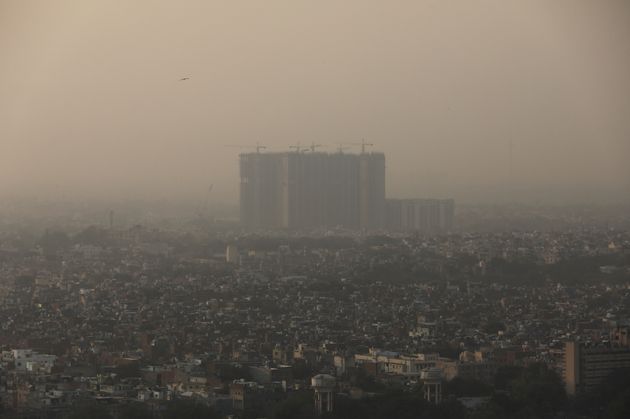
(93, 105)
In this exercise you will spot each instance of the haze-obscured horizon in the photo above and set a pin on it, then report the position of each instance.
(92, 105)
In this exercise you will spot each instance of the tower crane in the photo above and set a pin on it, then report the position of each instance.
(363, 144)
(341, 147)
(314, 146)
(298, 148)
(256, 147)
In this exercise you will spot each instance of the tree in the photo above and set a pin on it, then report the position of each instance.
(467, 387)
(134, 411)
(532, 392)
(505, 375)
(298, 406)
(540, 389)
(184, 409)
(92, 410)
(489, 411)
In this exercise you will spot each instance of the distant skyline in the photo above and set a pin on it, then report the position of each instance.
(93, 101)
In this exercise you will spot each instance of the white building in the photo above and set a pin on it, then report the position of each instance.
(28, 360)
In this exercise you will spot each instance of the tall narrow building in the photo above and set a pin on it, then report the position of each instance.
(260, 190)
(342, 194)
(372, 190)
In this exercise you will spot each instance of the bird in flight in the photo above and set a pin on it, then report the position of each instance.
(184, 78)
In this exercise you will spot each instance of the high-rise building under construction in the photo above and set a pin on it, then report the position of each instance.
(312, 190)
(420, 215)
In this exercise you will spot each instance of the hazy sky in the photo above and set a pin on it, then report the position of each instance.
(91, 103)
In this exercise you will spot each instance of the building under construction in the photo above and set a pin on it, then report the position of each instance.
(420, 215)
(312, 190)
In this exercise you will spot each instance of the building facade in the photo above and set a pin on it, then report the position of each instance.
(420, 215)
(587, 366)
(312, 190)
